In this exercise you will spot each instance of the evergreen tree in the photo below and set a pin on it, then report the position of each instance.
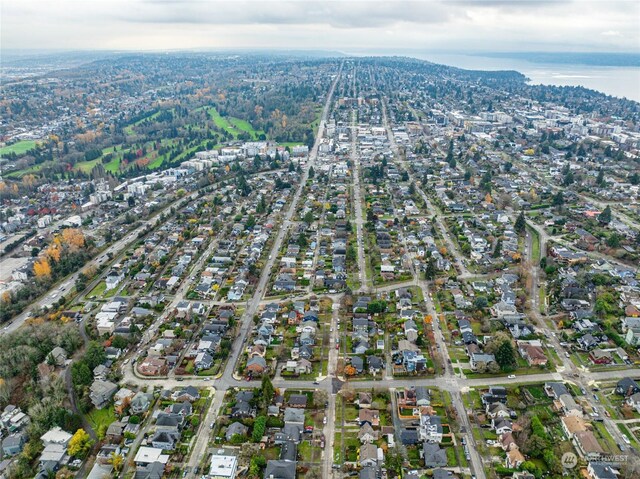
(267, 391)
(430, 270)
(613, 241)
(605, 216)
(498, 249)
(558, 199)
(568, 178)
(506, 356)
(521, 223)
(308, 217)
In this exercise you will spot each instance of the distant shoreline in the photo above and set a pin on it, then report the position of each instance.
(561, 58)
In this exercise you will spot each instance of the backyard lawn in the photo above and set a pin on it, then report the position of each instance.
(100, 420)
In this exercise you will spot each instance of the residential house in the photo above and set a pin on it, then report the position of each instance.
(234, 429)
(13, 444)
(256, 365)
(514, 459)
(601, 356)
(375, 364)
(364, 400)
(151, 366)
(55, 436)
(568, 406)
(430, 428)
(481, 361)
(601, 470)
(189, 393)
(279, 469)
(165, 440)
(409, 436)
(555, 390)
(140, 402)
(101, 393)
(501, 425)
(411, 330)
(358, 363)
(52, 457)
(587, 445)
(368, 455)
(627, 387)
(150, 462)
(532, 353)
(369, 416)
(423, 398)
(367, 434)
(433, 455)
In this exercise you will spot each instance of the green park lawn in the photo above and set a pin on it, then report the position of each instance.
(19, 148)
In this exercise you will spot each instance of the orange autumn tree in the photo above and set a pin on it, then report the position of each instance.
(42, 268)
(53, 253)
(73, 238)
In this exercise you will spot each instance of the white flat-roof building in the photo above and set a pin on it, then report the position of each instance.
(148, 455)
(223, 467)
(56, 436)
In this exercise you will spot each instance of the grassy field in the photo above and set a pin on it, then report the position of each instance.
(316, 122)
(291, 144)
(129, 129)
(26, 171)
(19, 148)
(99, 290)
(535, 245)
(87, 166)
(100, 419)
(245, 126)
(113, 165)
(218, 119)
(232, 125)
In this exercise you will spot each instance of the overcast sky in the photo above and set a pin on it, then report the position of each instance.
(346, 25)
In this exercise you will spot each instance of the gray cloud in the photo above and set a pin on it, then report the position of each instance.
(306, 24)
(349, 14)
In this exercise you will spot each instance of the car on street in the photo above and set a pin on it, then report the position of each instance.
(511, 376)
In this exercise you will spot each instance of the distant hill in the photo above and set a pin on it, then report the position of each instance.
(573, 58)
